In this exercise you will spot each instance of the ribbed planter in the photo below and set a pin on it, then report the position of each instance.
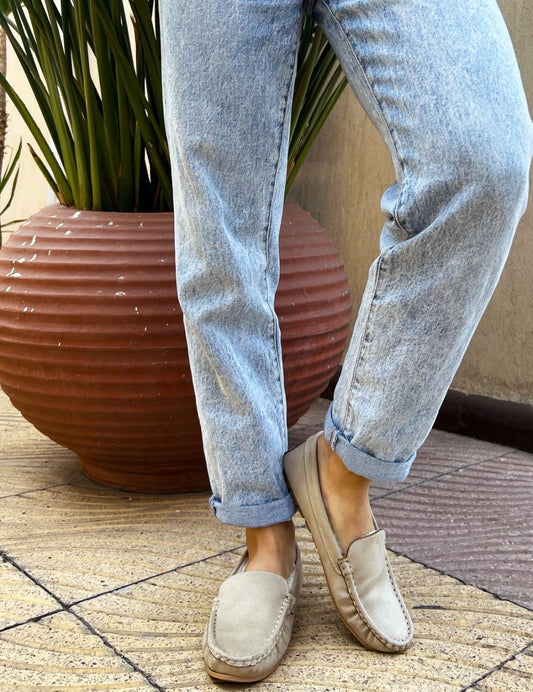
(92, 346)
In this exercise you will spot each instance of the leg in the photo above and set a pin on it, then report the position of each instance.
(441, 84)
(228, 71)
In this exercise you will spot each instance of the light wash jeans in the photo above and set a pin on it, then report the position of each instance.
(440, 81)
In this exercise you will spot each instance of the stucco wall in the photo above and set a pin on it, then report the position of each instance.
(32, 190)
(341, 185)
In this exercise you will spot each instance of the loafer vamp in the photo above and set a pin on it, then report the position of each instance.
(248, 617)
(374, 593)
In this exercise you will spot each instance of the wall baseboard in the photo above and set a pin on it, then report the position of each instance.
(503, 422)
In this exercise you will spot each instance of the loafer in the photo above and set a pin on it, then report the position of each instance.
(250, 625)
(361, 582)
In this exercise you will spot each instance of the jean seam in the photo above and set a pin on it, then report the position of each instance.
(382, 117)
(348, 414)
(268, 233)
(349, 409)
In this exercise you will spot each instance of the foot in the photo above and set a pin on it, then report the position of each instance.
(272, 549)
(345, 496)
(250, 624)
(358, 573)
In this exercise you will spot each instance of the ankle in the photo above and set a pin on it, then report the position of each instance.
(334, 472)
(272, 548)
(346, 497)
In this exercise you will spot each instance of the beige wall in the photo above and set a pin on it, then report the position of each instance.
(341, 185)
(31, 192)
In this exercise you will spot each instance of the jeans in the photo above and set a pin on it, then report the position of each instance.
(439, 80)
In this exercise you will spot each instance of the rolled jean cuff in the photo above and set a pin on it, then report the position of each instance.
(363, 463)
(253, 516)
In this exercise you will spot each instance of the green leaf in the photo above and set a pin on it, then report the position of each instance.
(104, 143)
(10, 176)
(55, 170)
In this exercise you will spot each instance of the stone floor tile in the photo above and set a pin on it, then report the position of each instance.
(476, 525)
(60, 653)
(21, 599)
(79, 542)
(45, 465)
(461, 633)
(523, 663)
(28, 459)
(458, 450)
(514, 676)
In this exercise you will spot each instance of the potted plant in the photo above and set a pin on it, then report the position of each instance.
(92, 349)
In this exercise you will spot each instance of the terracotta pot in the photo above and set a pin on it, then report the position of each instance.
(92, 347)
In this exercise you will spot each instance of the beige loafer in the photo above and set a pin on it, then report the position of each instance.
(361, 582)
(250, 624)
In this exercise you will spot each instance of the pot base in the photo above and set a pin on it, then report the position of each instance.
(159, 478)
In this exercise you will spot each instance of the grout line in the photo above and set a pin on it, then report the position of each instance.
(66, 607)
(500, 666)
(82, 483)
(35, 618)
(7, 558)
(69, 608)
(437, 476)
(122, 656)
(34, 490)
(461, 581)
(152, 576)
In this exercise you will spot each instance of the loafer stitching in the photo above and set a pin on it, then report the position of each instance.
(349, 580)
(286, 609)
(399, 599)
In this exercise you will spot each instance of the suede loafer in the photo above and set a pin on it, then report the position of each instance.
(250, 625)
(361, 582)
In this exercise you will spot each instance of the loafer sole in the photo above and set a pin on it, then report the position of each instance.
(234, 678)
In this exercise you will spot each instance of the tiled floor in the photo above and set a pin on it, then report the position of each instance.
(104, 590)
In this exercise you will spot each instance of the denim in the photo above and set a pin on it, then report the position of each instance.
(440, 82)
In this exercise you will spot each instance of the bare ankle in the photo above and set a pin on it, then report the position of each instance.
(272, 548)
(345, 496)
(331, 464)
